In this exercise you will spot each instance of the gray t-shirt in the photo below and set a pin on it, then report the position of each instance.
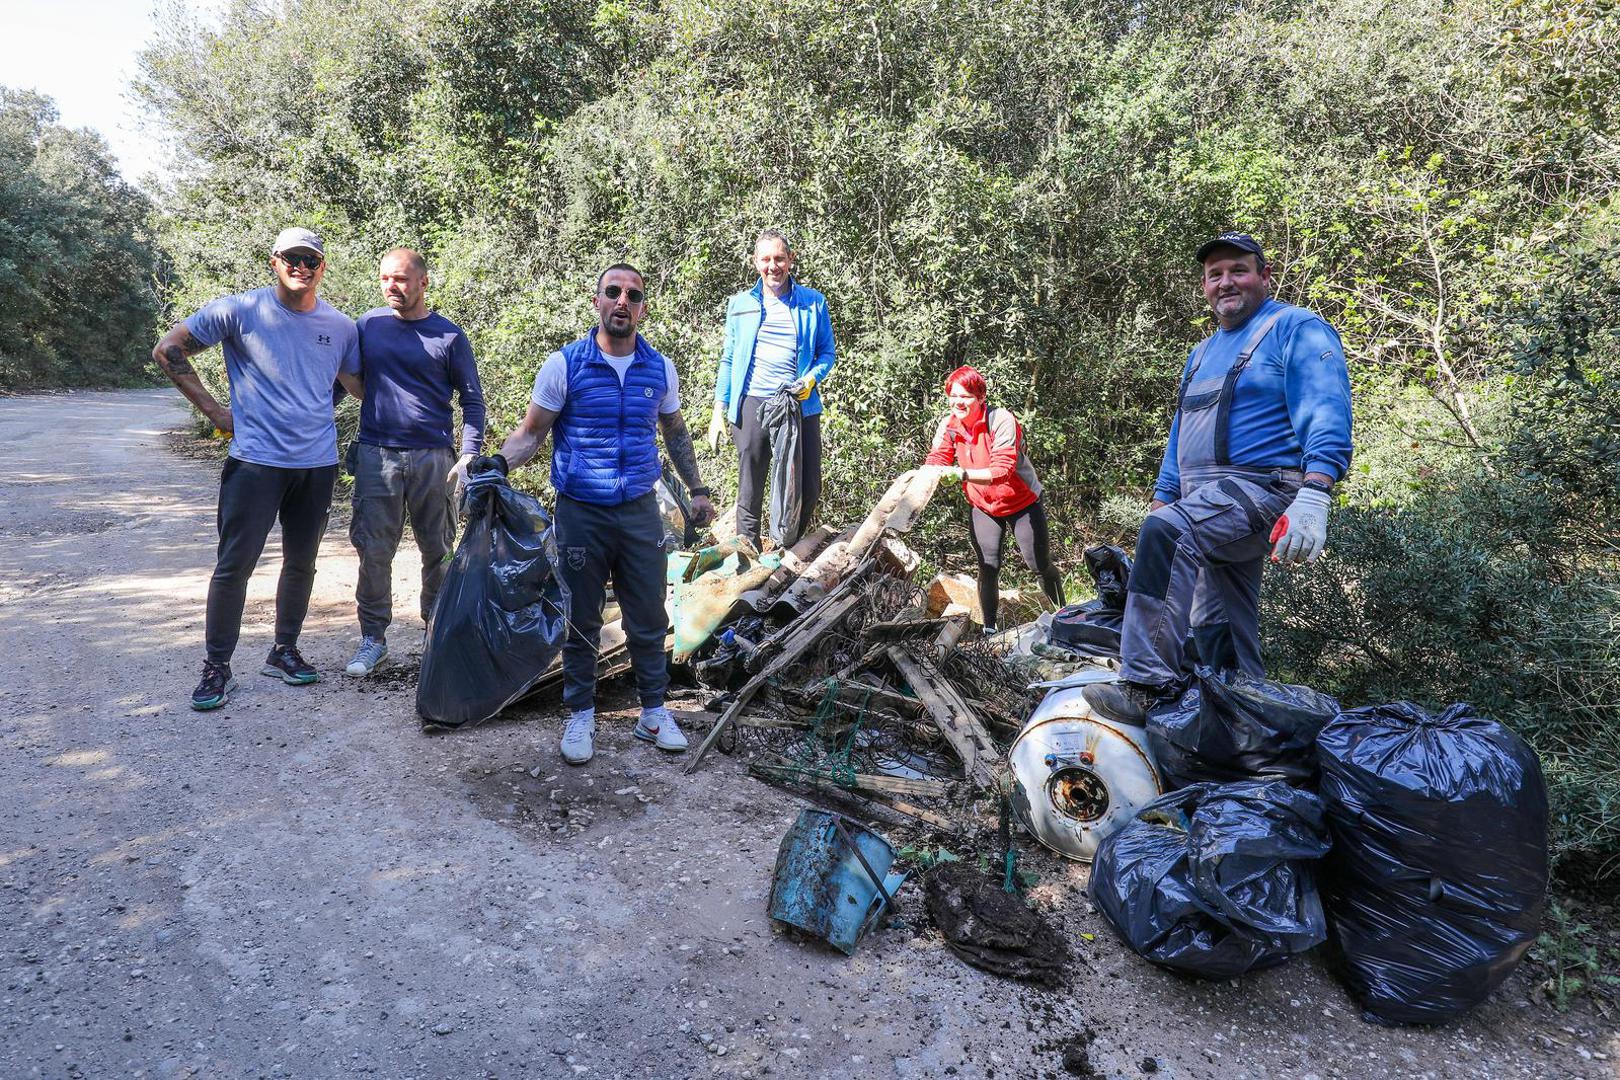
(281, 364)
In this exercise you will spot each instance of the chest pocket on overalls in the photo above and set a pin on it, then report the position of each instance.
(1205, 406)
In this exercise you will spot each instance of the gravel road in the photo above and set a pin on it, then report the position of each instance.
(304, 885)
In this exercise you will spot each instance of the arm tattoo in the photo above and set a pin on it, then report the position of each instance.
(178, 364)
(190, 344)
(682, 454)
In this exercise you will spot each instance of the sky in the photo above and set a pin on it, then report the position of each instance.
(82, 53)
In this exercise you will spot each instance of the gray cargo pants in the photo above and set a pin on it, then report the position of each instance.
(624, 542)
(388, 484)
(1198, 566)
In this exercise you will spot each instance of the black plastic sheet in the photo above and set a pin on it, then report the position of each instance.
(1230, 726)
(1436, 885)
(502, 613)
(1216, 880)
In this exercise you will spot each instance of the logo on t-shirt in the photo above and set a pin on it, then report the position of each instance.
(323, 339)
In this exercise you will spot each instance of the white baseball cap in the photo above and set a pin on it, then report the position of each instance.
(290, 239)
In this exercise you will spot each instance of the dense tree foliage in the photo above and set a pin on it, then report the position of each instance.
(1019, 184)
(78, 290)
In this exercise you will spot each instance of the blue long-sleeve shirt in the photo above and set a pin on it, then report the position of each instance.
(410, 368)
(1291, 407)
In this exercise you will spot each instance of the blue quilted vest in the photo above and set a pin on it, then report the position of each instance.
(605, 440)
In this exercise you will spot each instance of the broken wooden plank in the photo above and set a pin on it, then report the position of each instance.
(955, 718)
(811, 627)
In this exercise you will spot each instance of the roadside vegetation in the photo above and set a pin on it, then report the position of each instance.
(78, 263)
(1019, 185)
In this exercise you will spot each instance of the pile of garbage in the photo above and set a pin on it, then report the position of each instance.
(1414, 843)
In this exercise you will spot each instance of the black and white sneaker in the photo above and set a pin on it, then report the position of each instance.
(285, 664)
(215, 688)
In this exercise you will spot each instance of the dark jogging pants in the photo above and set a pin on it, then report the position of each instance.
(624, 543)
(251, 499)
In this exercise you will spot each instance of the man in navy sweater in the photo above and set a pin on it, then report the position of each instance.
(1261, 434)
(404, 461)
(603, 399)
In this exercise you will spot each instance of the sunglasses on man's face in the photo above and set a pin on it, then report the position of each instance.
(294, 260)
(635, 296)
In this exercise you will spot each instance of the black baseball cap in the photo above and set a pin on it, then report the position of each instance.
(1240, 241)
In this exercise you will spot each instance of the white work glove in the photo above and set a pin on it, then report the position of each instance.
(458, 472)
(1301, 533)
(717, 424)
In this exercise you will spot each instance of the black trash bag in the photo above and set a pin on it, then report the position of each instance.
(1093, 628)
(1438, 877)
(1110, 568)
(1216, 880)
(502, 613)
(1231, 726)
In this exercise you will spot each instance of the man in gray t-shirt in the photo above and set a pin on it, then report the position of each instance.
(284, 346)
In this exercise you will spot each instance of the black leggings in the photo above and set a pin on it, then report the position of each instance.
(251, 498)
(1029, 529)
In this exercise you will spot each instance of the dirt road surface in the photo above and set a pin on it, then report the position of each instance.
(304, 885)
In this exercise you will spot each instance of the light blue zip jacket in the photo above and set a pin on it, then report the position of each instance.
(745, 313)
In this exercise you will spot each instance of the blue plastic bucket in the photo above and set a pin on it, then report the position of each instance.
(832, 878)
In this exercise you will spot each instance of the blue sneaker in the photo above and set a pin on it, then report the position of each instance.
(368, 657)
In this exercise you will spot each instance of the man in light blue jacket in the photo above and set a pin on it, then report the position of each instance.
(778, 335)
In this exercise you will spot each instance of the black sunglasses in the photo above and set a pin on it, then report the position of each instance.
(635, 296)
(295, 260)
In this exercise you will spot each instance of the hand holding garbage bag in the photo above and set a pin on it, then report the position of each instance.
(502, 613)
(1216, 880)
(1438, 877)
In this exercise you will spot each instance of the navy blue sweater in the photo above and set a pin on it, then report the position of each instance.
(410, 369)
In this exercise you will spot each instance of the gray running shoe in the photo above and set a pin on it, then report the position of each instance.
(368, 657)
(658, 727)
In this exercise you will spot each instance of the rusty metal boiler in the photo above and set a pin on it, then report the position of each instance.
(1078, 776)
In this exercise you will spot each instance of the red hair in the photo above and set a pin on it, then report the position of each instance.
(969, 379)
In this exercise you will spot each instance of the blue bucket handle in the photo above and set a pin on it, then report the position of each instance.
(885, 890)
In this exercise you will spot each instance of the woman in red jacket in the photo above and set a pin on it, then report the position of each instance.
(983, 448)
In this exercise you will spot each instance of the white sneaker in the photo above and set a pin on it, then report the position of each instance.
(577, 746)
(368, 657)
(658, 727)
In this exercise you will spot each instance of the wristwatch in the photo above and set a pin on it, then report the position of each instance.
(1317, 485)
(698, 492)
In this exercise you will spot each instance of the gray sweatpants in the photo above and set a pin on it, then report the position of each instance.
(1198, 566)
(388, 484)
(625, 543)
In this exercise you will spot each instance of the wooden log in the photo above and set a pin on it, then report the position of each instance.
(898, 510)
(804, 634)
(955, 718)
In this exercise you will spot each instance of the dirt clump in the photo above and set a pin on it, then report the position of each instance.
(992, 929)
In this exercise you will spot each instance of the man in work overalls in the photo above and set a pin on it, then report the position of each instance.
(1260, 436)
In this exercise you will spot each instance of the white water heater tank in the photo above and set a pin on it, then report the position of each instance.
(1079, 777)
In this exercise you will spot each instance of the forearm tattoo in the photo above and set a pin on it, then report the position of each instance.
(682, 454)
(178, 364)
(176, 355)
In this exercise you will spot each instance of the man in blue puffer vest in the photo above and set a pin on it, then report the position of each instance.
(603, 399)
(778, 337)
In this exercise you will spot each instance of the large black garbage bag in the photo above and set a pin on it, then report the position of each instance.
(1438, 877)
(502, 613)
(1093, 628)
(1216, 879)
(1231, 726)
